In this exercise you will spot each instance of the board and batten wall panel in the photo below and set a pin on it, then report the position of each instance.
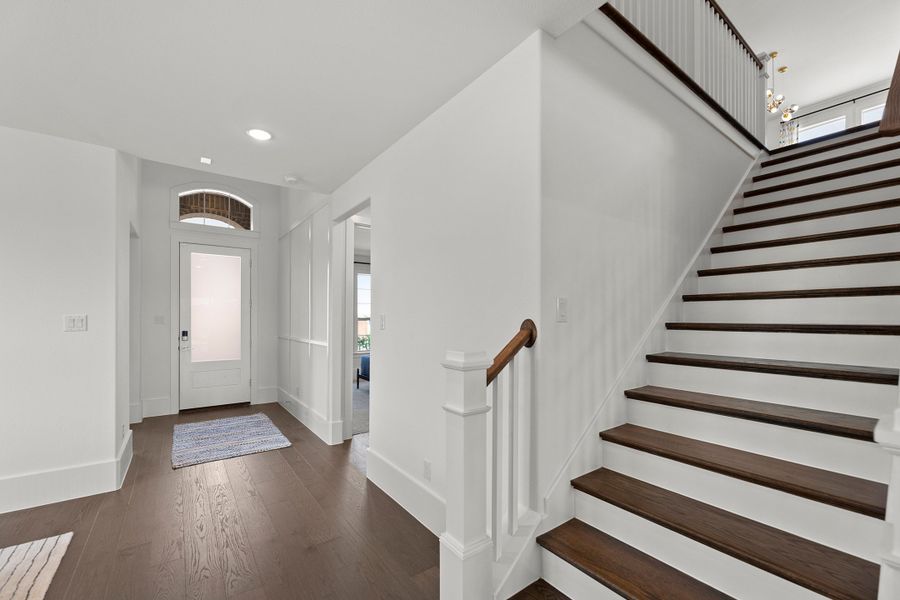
(303, 360)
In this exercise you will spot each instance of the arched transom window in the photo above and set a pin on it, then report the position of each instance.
(215, 208)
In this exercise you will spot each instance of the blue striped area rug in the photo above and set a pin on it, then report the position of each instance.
(195, 443)
(26, 570)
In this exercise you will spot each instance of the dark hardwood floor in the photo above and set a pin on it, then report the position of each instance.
(297, 523)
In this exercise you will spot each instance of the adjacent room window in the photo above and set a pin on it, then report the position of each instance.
(363, 312)
(215, 209)
(809, 132)
(870, 115)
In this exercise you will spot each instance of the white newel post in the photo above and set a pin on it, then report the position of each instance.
(466, 549)
(887, 434)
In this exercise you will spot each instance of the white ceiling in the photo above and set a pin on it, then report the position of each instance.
(335, 81)
(830, 46)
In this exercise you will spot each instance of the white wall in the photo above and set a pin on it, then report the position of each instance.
(454, 210)
(157, 183)
(632, 181)
(303, 377)
(58, 242)
(128, 176)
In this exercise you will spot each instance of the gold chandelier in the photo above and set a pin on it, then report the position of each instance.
(773, 100)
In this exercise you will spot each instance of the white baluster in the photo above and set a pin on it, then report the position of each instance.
(887, 434)
(496, 473)
(512, 468)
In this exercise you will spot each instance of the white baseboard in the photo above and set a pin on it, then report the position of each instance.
(407, 491)
(266, 394)
(330, 431)
(123, 458)
(135, 412)
(56, 485)
(157, 407)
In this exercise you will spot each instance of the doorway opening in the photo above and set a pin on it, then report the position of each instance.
(361, 324)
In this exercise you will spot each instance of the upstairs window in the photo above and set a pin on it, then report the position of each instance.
(215, 209)
(815, 130)
(870, 115)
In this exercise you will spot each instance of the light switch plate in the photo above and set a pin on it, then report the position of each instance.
(74, 323)
(562, 310)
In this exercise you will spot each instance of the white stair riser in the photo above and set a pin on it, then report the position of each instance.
(857, 458)
(839, 166)
(829, 153)
(727, 574)
(871, 244)
(871, 350)
(866, 399)
(572, 582)
(859, 309)
(871, 218)
(858, 275)
(822, 186)
(884, 193)
(843, 530)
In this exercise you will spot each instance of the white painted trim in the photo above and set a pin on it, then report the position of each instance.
(206, 229)
(135, 412)
(156, 407)
(414, 496)
(328, 431)
(209, 238)
(123, 458)
(630, 49)
(293, 338)
(38, 488)
(266, 394)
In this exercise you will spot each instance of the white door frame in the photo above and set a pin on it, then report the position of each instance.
(341, 310)
(245, 239)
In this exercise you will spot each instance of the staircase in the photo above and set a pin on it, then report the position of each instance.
(747, 468)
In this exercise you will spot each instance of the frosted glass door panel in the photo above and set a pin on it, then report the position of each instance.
(215, 307)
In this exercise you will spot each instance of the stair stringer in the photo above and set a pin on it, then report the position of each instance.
(558, 502)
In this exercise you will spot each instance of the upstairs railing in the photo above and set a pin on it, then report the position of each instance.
(486, 475)
(890, 120)
(699, 44)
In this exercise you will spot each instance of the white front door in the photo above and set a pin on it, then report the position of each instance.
(214, 345)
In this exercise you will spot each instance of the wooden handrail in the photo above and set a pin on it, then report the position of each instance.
(525, 338)
(890, 120)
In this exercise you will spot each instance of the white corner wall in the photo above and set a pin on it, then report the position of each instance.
(58, 240)
(455, 261)
(633, 179)
(303, 337)
(157, 183)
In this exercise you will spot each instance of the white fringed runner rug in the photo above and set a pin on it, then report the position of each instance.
(195, 443)
(26, 570)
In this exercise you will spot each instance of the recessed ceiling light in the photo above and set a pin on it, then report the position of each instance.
(260, 135)
(205, 160)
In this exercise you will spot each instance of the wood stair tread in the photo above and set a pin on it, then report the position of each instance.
(826, 328)
(848, 292)
(809, 239)
(886, 164)
(820, 421)
(835, 261)
(829, 161)
(540, 590)
(817, 144)
(620, 567)
(836, 489)
(852, 189)
(812, 216)
(865, 374)
(824, 570)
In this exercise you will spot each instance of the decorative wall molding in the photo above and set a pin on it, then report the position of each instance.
(157, 407)
(414, 496)
(328, 431)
